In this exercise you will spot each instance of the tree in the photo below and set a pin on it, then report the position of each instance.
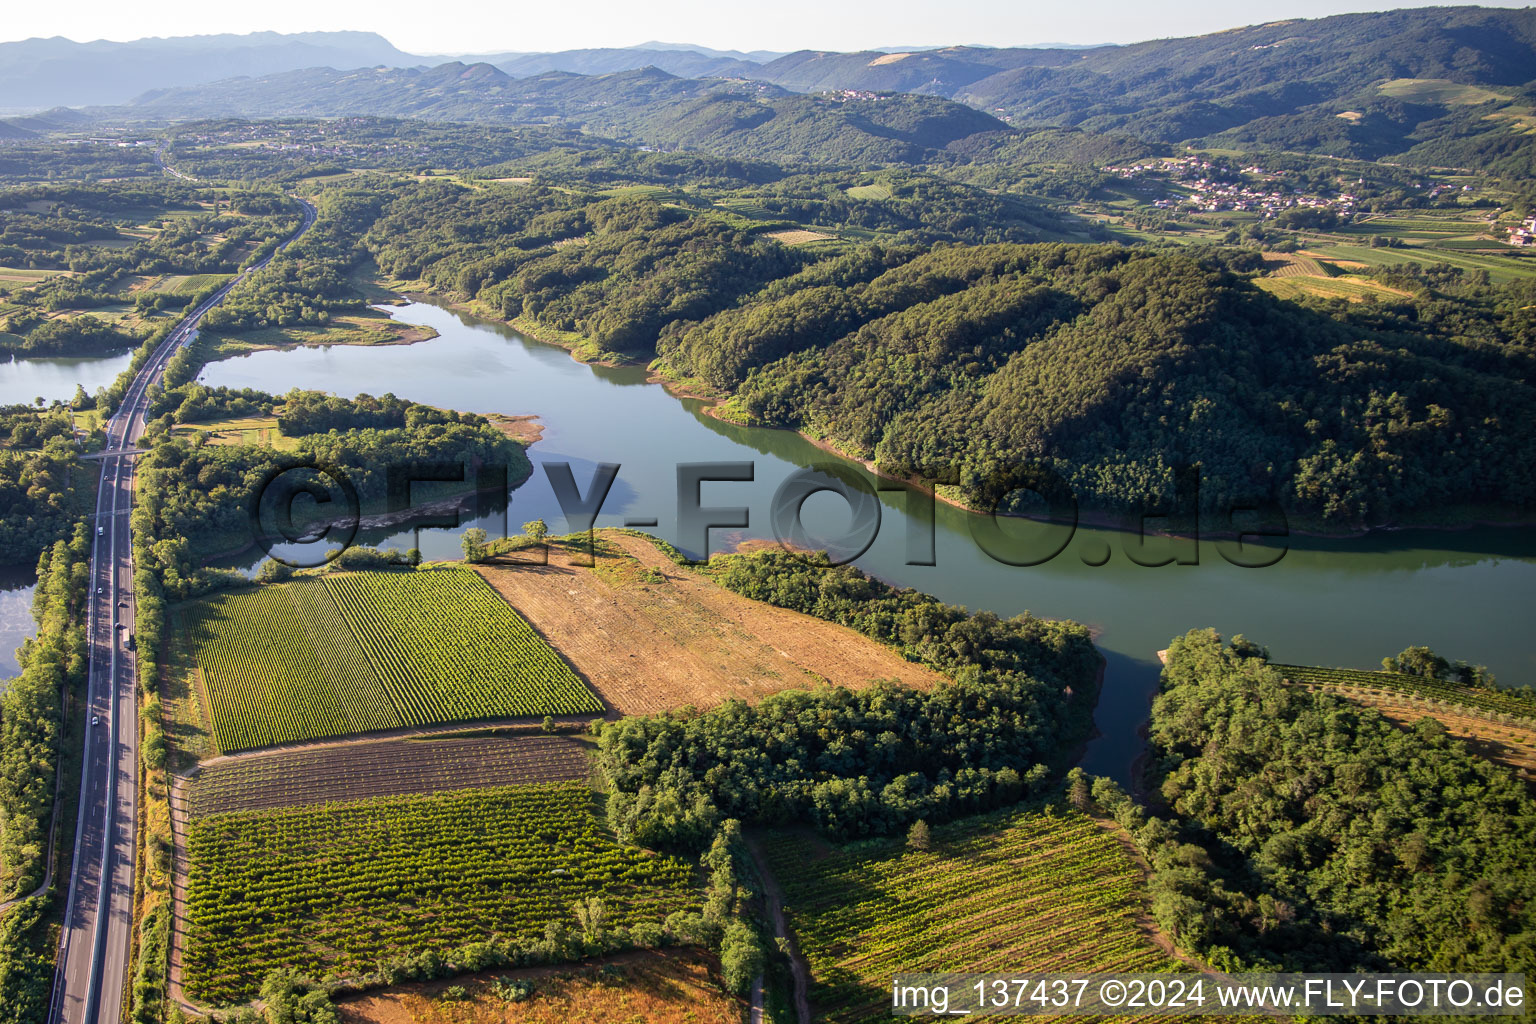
(473, 543)
(273, 571)
(591, 916)
(536, 530)
(1417, 661)
(918, 836)
(1078, 791)
(741, 956)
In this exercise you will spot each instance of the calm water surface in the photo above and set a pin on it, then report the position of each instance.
(26, 380)
(16, 623)
(1466, 593)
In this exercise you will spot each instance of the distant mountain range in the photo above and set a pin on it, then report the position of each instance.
(1451, 85)
(36, 74)
(727, 117)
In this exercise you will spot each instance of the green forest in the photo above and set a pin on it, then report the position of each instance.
(1295, 831)
(974, 365)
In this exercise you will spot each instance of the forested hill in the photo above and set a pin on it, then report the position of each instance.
(647, 107)
(41, 73)
(1441, 86)
(1108, 364)
(1284, 83)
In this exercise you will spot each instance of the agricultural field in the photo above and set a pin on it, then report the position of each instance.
(652, 635)
(1439, 91)
(1491, 701)
(362, 652)
(800, 236)
(1351, 288)
(1049, 888)
(1501, 268)
(651, 987)
(261, 430)
(449, 649)
(341, 888)
(1496, 724)
(355, 771)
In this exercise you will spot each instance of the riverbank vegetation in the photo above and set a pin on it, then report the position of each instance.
(195, 497)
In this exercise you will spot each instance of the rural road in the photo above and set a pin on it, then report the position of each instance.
(92, 966)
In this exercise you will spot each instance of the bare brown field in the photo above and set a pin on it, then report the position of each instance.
(360, 769)
(650, 635)
(638, 988)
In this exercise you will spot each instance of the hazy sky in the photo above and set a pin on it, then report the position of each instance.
(477, 26)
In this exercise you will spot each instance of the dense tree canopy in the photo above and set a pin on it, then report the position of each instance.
(1313, 834)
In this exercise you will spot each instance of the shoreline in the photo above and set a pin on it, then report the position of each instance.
(1095, 520)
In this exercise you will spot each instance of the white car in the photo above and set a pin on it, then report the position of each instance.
(95, 719)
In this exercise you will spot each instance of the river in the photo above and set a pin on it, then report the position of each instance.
(1332, 602)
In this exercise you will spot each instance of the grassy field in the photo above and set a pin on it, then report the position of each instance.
(1047, 890)
(187, 284)
(869, 192)
(652, 635)
(1500, 268)
(361, 652)
(672, 987)
(1353, 288)
(345, 887)
(25, 275)
(370, 328)
(395, 767)
(247, 430)
(1439, 91)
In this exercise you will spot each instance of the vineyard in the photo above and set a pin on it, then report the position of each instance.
(344, 887)
(361, 652)
(1047, 889)
(1493, 702)
(384, 768)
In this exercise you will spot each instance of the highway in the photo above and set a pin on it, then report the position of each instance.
(91, 974)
